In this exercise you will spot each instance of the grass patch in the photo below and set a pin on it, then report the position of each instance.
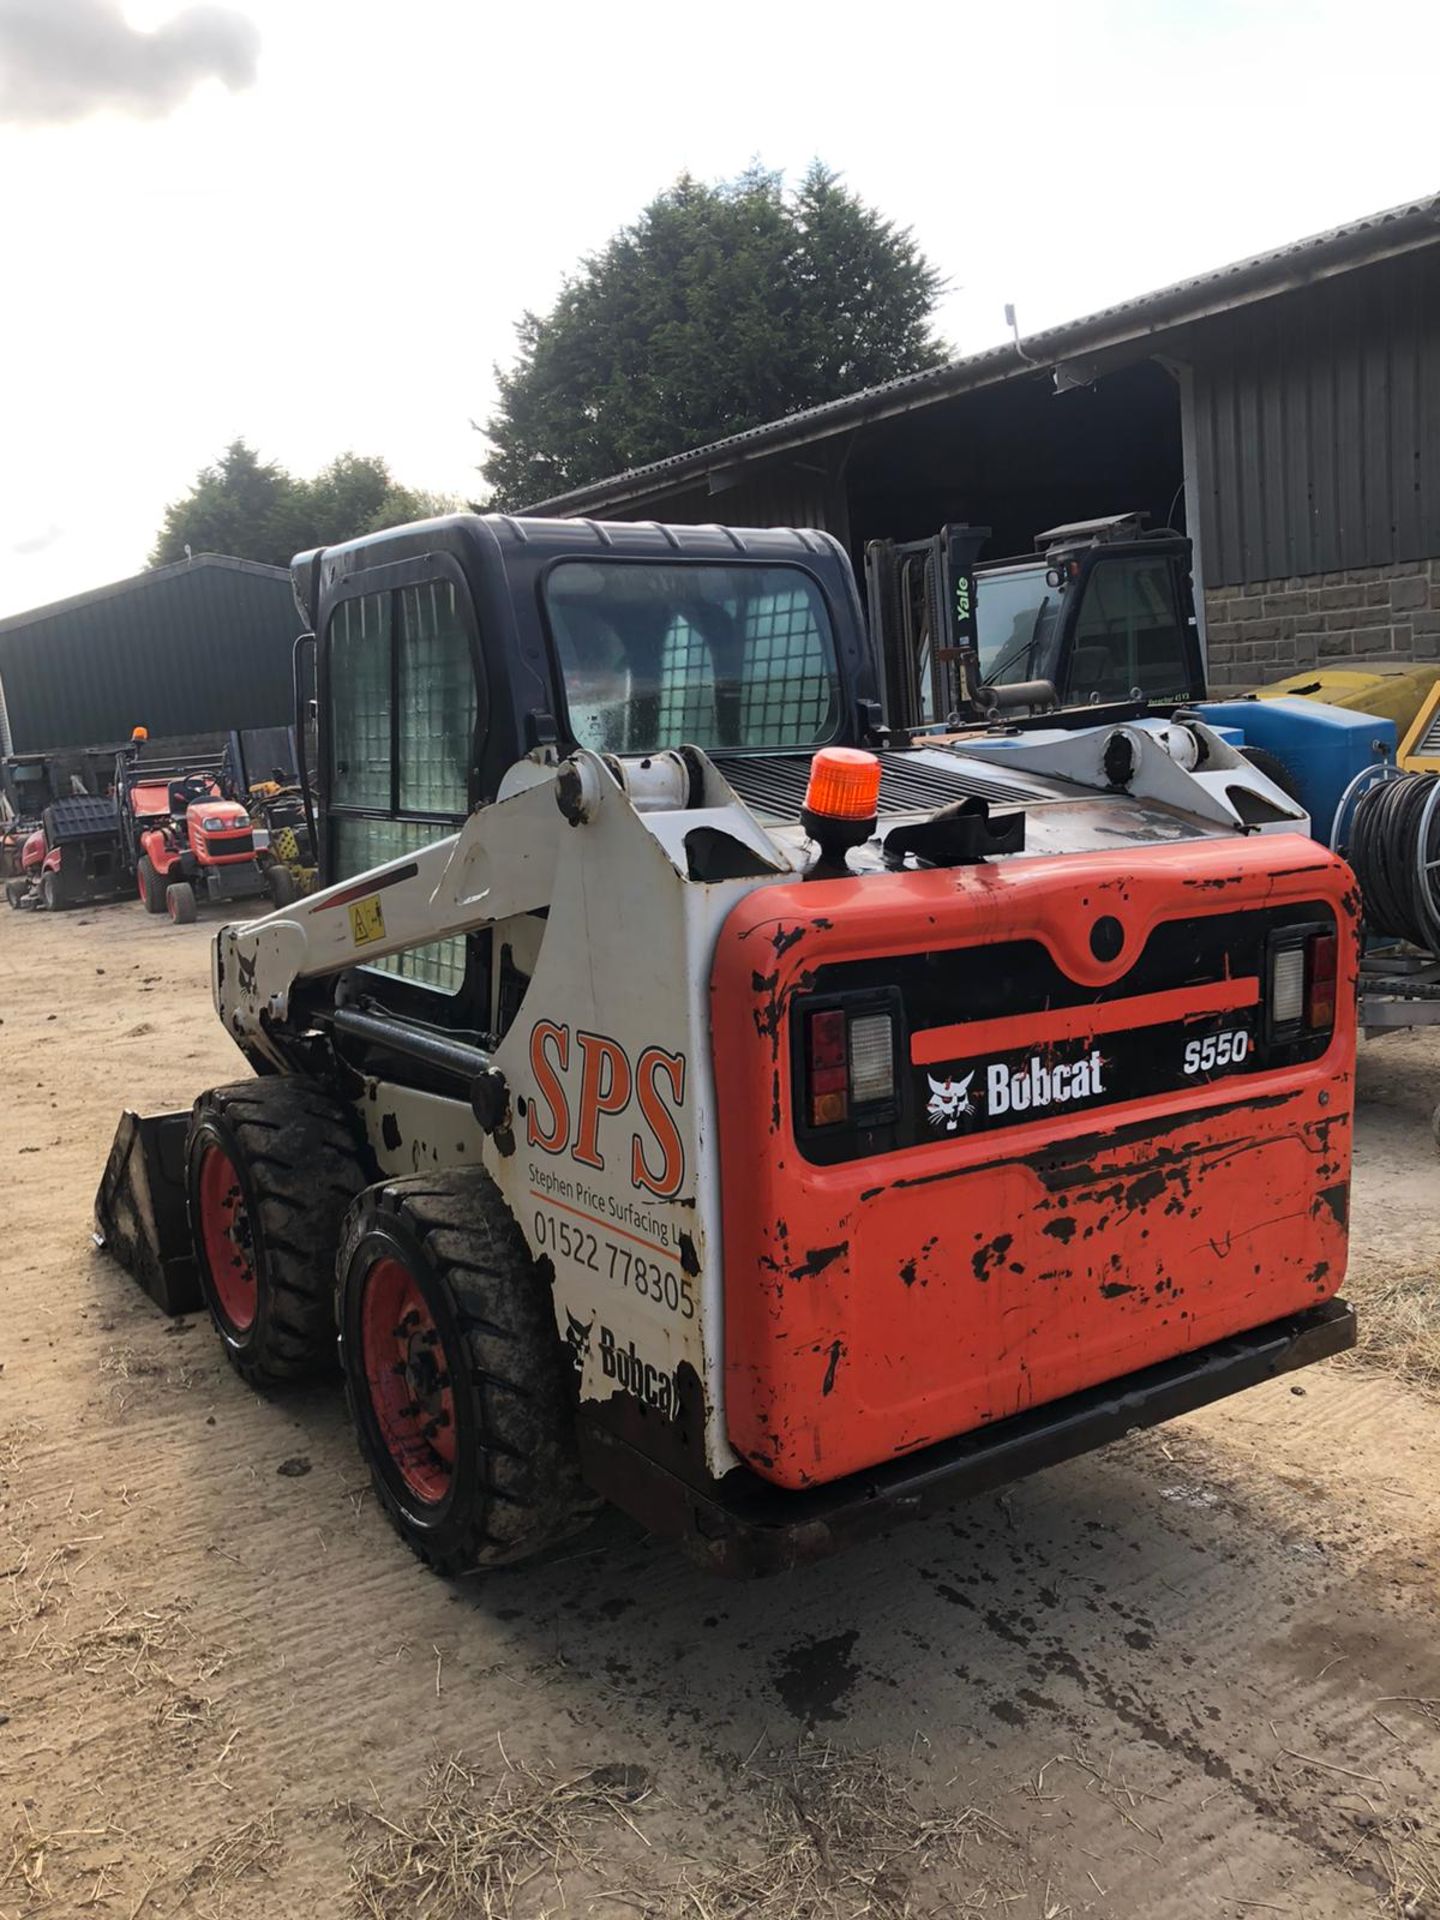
(475, 1844)
(1398, 1308)
(829, 1834)
(843, 1835)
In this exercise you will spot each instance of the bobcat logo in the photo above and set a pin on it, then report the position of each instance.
(247, 972)
(577, 1338)
(948, 1100)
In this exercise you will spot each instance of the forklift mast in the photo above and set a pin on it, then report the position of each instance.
(1102, 611)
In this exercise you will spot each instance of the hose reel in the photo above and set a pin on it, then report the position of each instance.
(1388, 827)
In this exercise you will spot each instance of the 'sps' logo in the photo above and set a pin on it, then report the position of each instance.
(608, 1085)
(948, 1100)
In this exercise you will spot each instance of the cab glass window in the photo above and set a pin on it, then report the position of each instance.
(1013, 614)
(364, 843)
(437, 701)
(360, 758)
(403, 715)
(713, 655)
(1129, 636)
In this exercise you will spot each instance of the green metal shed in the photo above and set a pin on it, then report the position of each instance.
(198, 647)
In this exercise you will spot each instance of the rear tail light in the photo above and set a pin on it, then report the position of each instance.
(872, 1059)
(1321, 956)
(1304, 969)
(826, 1055)
(849, 1064)
(1287, 986)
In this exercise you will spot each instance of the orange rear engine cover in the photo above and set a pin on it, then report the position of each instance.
(1104, 1146)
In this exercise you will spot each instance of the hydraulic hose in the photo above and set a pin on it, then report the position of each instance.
(1399, 876)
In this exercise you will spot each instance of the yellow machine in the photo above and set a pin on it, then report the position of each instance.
(1420, 745)
(1388, 695)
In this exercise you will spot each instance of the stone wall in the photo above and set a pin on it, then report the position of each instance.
(1269, 629)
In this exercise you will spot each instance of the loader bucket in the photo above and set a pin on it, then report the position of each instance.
(140, 1216)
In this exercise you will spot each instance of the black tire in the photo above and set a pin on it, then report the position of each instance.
(52, 892)
(513, 1486)
(180, 903)
(1273, 768)
(152, 885)
(297, 1158)
(281, 884)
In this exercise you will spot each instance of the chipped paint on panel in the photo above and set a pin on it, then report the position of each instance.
(949, 1283)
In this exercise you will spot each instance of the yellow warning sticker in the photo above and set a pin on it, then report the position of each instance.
(367, 922)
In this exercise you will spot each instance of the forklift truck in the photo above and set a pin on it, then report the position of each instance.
(686, 1092)
(1101, 611)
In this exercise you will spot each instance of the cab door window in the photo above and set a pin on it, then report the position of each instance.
(404, 712)
(361, 760)
(1129, 635)
(436, 702)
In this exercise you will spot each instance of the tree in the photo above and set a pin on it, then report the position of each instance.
(256, 510)
(721, 307)
(232, 508)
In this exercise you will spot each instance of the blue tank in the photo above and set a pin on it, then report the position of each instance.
(1322, 747)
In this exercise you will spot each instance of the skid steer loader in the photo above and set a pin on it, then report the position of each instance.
(685, 1093)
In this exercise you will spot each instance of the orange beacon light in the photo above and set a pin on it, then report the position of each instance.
(841, 801)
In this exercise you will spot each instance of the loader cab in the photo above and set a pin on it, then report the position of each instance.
(450, 650)
(1101, 611)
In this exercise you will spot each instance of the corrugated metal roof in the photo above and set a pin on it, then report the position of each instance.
(152, 576)
(199, 647)
(1341, 249)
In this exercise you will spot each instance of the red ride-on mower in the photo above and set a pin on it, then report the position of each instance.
(189, 843)
(71, 858)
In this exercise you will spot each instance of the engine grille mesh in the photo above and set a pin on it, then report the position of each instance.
(773, 785)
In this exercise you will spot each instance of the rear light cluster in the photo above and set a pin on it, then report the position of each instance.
(1303, 974)
(849, 1064)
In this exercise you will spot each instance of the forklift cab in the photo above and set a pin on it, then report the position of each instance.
(1102, 611)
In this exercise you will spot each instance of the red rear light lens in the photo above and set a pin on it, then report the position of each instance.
(1321, 966)
(827, 1058)
(849, 1064)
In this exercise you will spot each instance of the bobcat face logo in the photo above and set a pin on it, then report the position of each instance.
(949, 1099)
(577, 1339)
(247, 972)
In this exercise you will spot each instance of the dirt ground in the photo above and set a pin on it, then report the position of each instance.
(1195, 1675)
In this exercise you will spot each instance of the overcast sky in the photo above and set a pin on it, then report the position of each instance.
(314, 222)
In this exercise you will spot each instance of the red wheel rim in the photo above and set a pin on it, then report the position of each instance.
(227, 1239)
(407, 1373)
(140, 883)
